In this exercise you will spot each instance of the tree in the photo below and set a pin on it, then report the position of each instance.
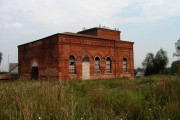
(0, 57)
(148, 64)
(175, 67)
(161, 61)
(177, 46)
(155, 64)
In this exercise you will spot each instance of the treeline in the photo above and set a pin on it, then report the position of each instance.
(157, 64)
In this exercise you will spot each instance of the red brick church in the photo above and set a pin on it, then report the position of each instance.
(89, 54)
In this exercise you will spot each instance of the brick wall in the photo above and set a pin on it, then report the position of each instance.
(52, 55)
(116, 50)
(103, 33)
(45, 52)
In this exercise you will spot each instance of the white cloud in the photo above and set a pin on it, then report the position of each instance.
(11, 25)
(86, 12)
(30, 32)
(160, 9)
(39, 18)
(6, 22)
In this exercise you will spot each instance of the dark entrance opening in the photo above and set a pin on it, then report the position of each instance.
(34, 73)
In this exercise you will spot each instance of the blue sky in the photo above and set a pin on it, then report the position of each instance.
(151, 24)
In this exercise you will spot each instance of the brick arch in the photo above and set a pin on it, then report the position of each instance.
(33, 62)
(111, 57)
(86, 54)
(125, 56)
(71, 53)
(97, 55)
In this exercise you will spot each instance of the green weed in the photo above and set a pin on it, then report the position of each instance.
(149, 98)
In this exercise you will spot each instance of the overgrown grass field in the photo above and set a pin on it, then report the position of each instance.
(150, 98)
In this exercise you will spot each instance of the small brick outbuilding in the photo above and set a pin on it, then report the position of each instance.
(89, 54)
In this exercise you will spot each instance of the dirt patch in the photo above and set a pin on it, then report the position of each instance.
(5, 76)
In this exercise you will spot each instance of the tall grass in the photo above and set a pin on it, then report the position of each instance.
(155, 97)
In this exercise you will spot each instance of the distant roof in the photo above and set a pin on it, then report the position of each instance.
(140, 74)
(98, 28)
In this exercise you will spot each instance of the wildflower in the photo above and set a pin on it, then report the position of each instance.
(150, 109)
(81, 118)
(39, 118)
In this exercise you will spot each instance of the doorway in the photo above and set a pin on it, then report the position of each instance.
(34, 71)
(85, 68)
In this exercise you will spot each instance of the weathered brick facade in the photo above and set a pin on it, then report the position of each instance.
(89, 54)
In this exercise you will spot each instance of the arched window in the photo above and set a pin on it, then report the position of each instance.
(72, 65)
(125, 65)
(108, 65)
(97, 65)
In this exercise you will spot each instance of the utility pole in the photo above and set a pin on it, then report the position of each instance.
(8, 63)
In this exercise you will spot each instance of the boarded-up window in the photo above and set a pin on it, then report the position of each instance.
(72, 65)
(108, 65)
(125, 65)
(97, 65)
